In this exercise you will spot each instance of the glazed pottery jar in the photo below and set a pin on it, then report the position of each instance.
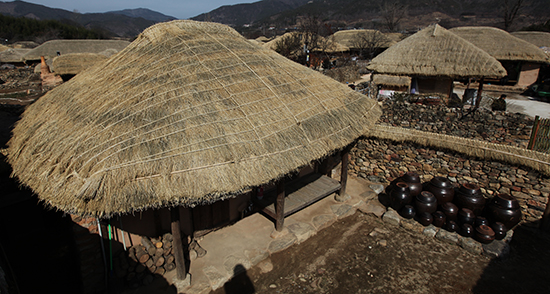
(425, 202)
(450, 210)
(484, 234)
(500, 230)
(466, 216)
(400, 196)
(451, 226)
(467, 230)
(442, 189)
(481, 220)
(469, 196)
(408, 211)
(424, 218)
(413, 180)
(439, 219)
(504, 208)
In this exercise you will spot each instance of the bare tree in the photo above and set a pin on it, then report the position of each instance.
(290, 46)
(393, 12)
(368, 42)
(510, 12)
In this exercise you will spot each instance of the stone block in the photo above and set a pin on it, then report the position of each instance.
(430, 231)
(215, 277)
(282, 243)
(391, 217)
(374, 206)
(302, 231)
(255, 256)
(342, 210)
(324, 220)
(497, 249)
(377, 188)
(471, 245)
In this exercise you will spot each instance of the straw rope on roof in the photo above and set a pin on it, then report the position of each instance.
(389, 80)
(13, 55)
(51, 48)
(74, 63)
(539, 161)
(434, 51)
(539, 39)
(500, 44)
(188, 114)
(348, 38)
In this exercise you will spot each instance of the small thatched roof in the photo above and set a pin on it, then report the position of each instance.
(74, 63)
(389, 80)
(500, 44)
(49, 49)
(539, 39)
(326, 44)
(3, 47)
(188, 114)
(262, 39)
(348, 38)
(434, 51)
(13, 55)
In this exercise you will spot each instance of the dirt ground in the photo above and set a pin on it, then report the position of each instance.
(361, 254)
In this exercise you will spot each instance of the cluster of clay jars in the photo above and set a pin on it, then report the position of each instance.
(464, 210)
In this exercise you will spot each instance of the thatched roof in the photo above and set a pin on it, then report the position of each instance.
(12, 55)
(434, 51)
(189, 113)
(539, 39)
(326, 44)
(500, 44)
(389, 80)
(74, 63)
(49, 49)
(348, 38)
(262, 39)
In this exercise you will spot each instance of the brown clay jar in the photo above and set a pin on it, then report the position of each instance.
(408, 211)
(466, 216)
(413, 180)
(467, 230)
(504, 208)
(439, 219)
(400, 196)
(451, 226)
(442, 189)
(424, 218)
(469, 196)
(425, 202)
(500, 230)
(484, 234)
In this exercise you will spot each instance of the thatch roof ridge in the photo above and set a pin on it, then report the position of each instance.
(346, 37)
(12, 55)
(434, 51)
(500, 44)
(389, 80)
(49, 49)
(188, 114)
(74, 63)
(539, 39)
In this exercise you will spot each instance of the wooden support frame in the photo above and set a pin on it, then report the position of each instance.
(344, 171)
(280, 205)
(177, 244)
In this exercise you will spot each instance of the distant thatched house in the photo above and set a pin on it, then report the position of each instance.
(521, 59)
(388, 84)
(433, 57)
(359, 41)
(54, 48)
(189, 119)
(13, 56)
(68, 65)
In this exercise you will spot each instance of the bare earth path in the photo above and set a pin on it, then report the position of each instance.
(361, 254)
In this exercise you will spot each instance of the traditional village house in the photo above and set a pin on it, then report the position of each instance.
(53, 48)
(433, 57)
(183, 124)
(521, 59)
(361, 41)
(68, 65)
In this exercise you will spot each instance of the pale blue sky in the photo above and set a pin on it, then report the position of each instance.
(181, 9)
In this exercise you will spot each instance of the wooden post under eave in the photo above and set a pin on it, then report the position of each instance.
(479, 90)
(344, 172)
(177, 244)
(280, 205)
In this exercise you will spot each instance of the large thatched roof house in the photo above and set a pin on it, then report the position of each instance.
(54, 48)
(521, 59)
(188, 114)
(434, 57)
(74, 63)
(539, 39)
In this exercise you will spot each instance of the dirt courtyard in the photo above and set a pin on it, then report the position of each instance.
(362, 254)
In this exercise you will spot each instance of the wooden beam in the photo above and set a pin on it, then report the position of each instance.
(177, 244)
(479, 91)
(280, 205)
(344, 171)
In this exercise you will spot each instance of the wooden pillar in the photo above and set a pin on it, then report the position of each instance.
(344, 171)
(280, 205)
(177, 244)
(479, 91)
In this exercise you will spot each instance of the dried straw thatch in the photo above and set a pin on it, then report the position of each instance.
(350, 38)
(74, 63)
(3, 48)
(262, 39)
(51, 48)
(434, 51)
(189, 113)
(500, 44)
(328, 45)
(389, 80)
(13, 55)
(539, 39)
(489, 151)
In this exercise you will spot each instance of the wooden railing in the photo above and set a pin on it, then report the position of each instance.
(540, 135)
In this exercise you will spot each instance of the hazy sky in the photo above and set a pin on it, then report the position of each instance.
(181, 9)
